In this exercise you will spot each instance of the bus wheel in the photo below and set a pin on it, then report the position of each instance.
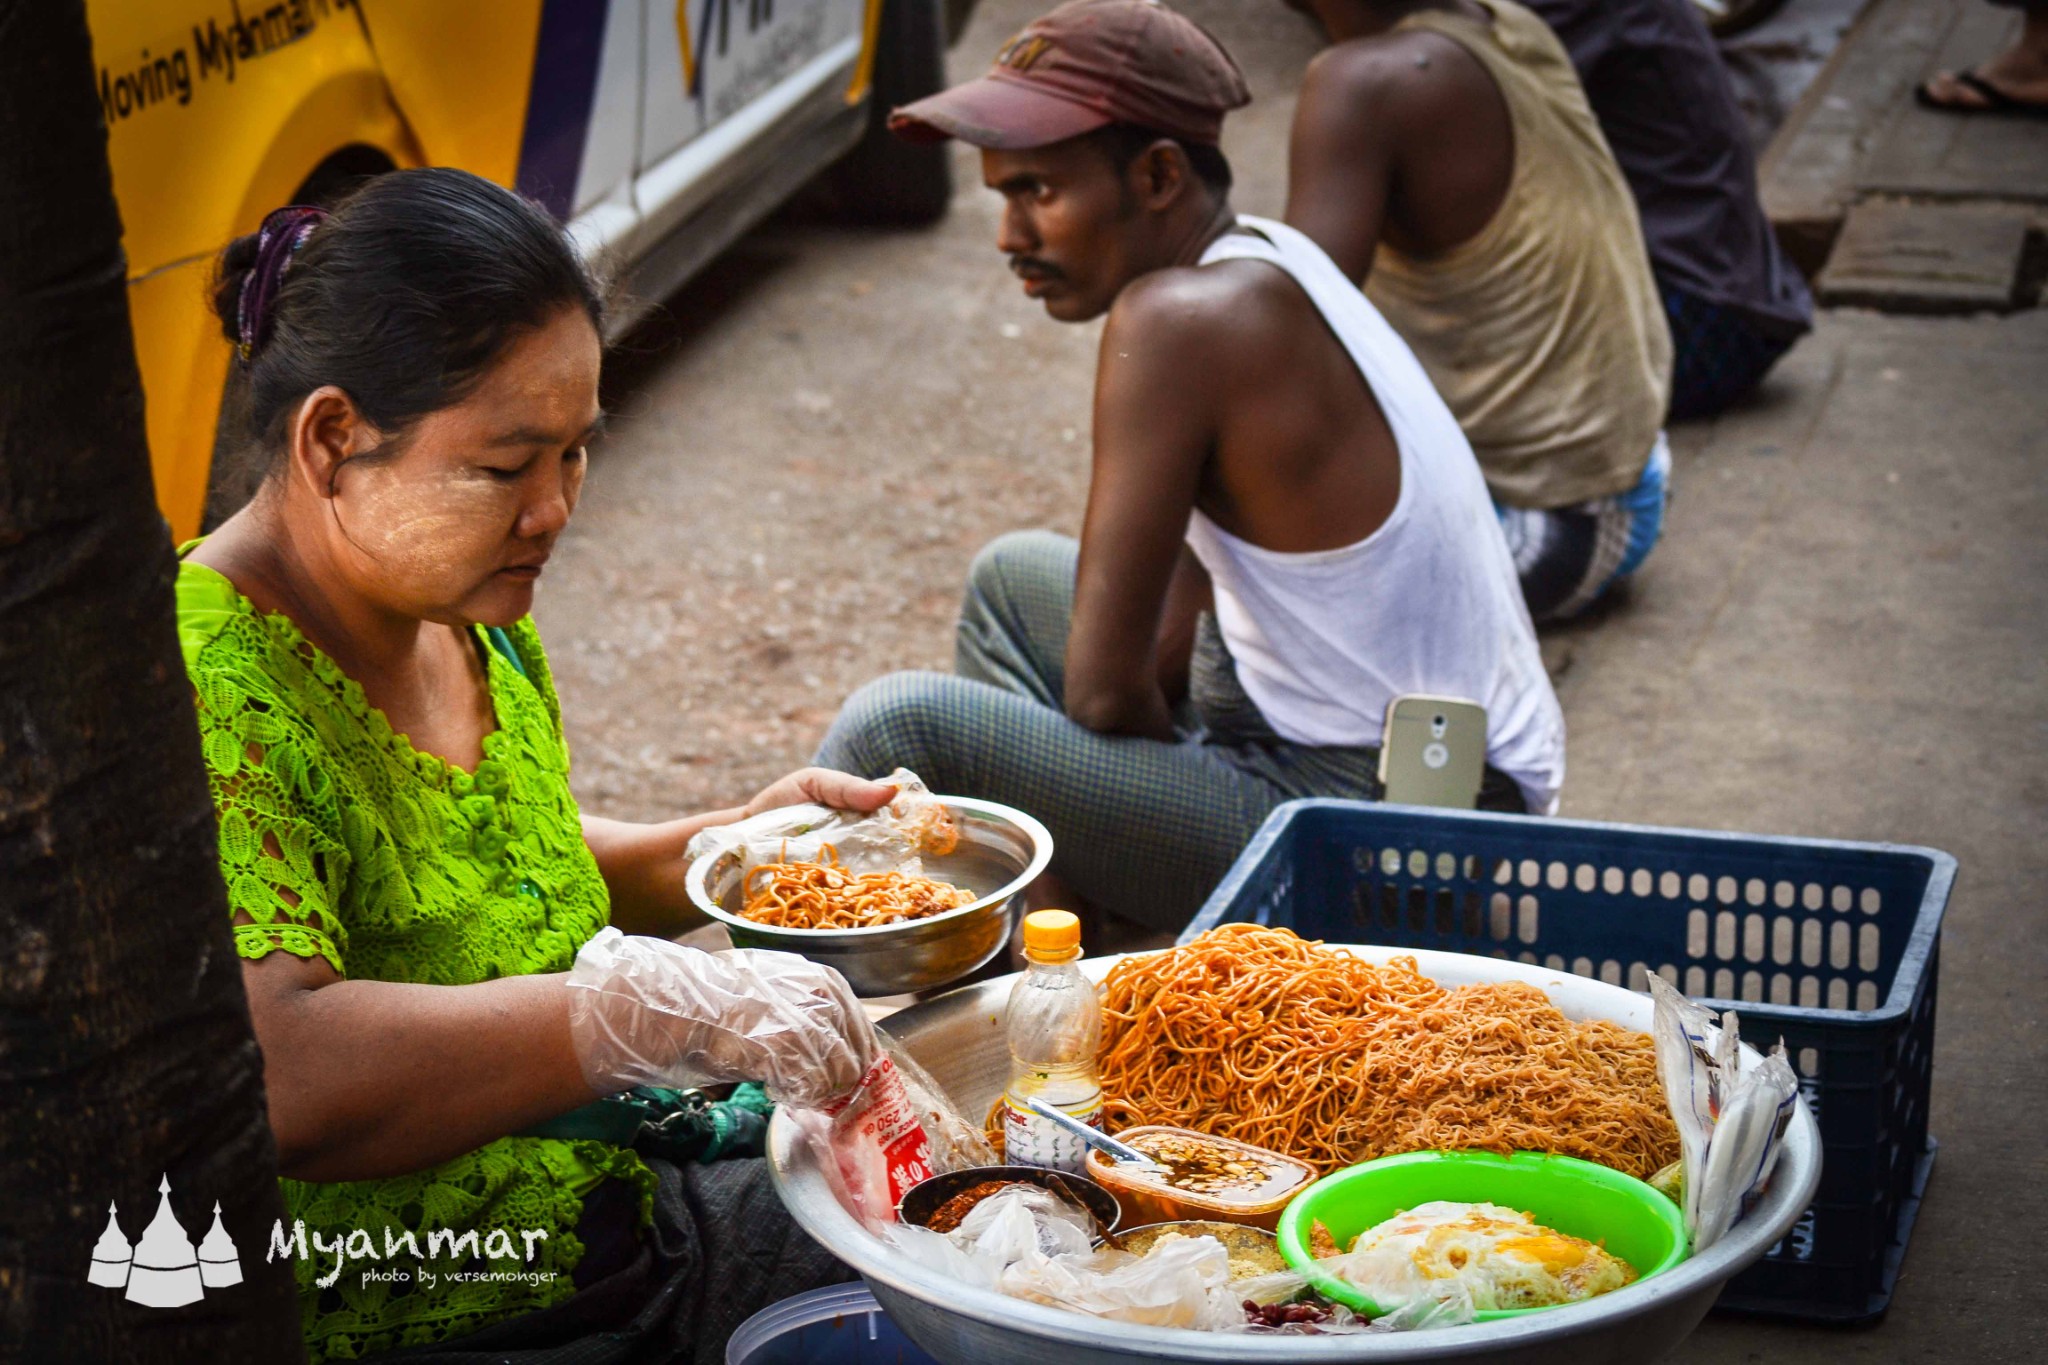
(884, 179)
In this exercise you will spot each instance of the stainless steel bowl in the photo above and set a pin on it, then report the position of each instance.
(959, 1039)
(1001, 851)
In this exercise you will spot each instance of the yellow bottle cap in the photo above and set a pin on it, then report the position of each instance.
(1052, 933)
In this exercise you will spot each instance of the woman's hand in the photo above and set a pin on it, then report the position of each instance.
(823, 787)
(645, 866)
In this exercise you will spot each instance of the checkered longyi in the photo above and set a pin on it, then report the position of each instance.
(1144, 828)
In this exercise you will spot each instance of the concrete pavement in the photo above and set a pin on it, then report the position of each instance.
(1850, 635)
(1845, 635)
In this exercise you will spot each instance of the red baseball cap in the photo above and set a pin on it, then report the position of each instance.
(1086, 65)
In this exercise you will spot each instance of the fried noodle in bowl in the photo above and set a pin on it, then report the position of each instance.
(824, 895)
(1255, 1034)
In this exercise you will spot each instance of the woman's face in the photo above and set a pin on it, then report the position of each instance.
(457, 525)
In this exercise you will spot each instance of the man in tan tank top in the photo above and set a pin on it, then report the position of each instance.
(1445, 157)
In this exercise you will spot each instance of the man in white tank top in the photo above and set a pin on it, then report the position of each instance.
(1285, 527)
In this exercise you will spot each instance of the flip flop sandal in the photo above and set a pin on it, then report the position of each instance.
(1996, 101)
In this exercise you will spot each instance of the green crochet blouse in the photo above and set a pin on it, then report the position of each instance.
(405, 868)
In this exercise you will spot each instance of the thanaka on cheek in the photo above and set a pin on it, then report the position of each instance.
(430, 541)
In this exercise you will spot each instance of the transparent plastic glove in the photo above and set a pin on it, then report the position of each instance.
(644, 1011)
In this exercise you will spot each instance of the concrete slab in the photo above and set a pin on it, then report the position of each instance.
(1933, 153)
(1808, 175)
(1927, 257)
(1844, 635)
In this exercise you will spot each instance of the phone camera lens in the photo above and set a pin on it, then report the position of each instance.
(1436, 726)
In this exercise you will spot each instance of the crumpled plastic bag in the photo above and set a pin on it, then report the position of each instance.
(895, 838)
(1179, 1283)
(1731, 1117)
(1029, 1244)
(1024, 1223)
(1452, 1308)
(1001, 1230)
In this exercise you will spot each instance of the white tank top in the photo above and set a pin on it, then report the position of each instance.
(1427, 603)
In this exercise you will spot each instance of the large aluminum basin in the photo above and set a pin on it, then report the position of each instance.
(959, 1038)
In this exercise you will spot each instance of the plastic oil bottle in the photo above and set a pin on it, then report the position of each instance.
(1054, 1025)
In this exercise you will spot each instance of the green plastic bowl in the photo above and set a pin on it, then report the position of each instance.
(1575, 1197)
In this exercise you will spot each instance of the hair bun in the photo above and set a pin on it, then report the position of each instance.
(230, 275)
(283, 232)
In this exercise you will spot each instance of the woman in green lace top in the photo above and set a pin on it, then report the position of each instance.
(410, 877)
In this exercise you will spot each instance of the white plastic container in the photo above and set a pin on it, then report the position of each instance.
(841, 1323)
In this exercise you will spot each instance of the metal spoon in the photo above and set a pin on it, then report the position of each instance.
(1101, 1142)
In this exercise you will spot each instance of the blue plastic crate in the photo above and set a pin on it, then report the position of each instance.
(1833, 946)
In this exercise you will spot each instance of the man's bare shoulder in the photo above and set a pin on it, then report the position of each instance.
(1200, 309)
(1413, 72)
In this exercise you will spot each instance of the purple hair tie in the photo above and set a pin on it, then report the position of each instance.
(283, 232)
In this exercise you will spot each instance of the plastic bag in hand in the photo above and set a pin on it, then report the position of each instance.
(870, 1145)
(895, 1129)
(645, 1011)
(1731, 1118)
(956, 1144)
(895, 838)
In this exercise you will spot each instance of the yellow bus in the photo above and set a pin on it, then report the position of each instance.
(658, 130)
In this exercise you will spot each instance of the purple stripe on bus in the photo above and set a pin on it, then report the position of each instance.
(558, 109)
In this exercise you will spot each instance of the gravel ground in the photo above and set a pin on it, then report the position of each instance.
(806, 450)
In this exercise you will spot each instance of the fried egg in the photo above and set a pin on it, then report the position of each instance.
(1504, 1259)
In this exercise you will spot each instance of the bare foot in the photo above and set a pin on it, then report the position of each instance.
(2018, 72)
(1950, 90)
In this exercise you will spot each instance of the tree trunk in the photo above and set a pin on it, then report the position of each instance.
(125, 1050)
